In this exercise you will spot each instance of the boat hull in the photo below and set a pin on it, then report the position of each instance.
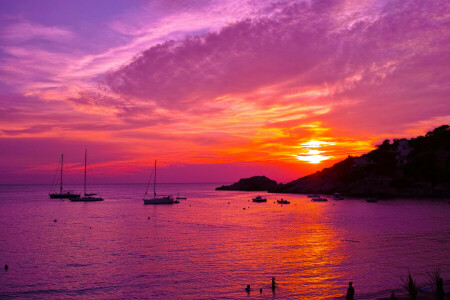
(319, 200)
(64, 196)
(86, 199)
(283, 202)
(161, 200)
(259, 199)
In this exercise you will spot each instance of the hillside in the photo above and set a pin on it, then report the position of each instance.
(419, 167)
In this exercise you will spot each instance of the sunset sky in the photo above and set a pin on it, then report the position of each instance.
(214, 90)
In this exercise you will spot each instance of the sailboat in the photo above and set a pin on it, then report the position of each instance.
(161, 199)
(87, 197)
(61, 194)
(180, 198)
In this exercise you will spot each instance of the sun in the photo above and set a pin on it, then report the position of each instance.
(312, 155)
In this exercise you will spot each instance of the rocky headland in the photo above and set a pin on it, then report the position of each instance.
(255, 183)
(418, 167)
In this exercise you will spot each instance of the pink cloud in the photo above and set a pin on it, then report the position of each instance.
(23, 30)
(240, 58)
(397, 51)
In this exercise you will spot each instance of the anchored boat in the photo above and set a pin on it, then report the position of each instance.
(161, 199)
(259, 199)
(62, 194)
(319, 199)
(87, 197)
(282, 201)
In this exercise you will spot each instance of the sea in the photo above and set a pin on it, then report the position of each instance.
(215, 243)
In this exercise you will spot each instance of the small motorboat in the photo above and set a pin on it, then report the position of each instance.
(319, 199)
(282, 201)
(259, 199)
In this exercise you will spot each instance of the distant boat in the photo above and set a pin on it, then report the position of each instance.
(319, 199)
(313, 196)
(62, 194)
(259, 199)
(162, 199)
(337, 196)
(282, 201)
(87, 197)
(372, 200)
(180, 198)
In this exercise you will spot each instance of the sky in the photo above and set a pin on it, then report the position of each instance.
(214, 90)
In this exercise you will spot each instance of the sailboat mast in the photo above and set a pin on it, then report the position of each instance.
(154, 183)
(62, 163)
(85, 158)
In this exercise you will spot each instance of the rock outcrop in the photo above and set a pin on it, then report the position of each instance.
(255, 183)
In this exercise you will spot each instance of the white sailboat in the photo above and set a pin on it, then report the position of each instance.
(161, 199)
(87, 197)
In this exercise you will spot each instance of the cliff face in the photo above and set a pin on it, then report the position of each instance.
(419, 167)
(255, 183)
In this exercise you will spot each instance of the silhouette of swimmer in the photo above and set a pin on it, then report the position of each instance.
(6, 267)
(247, 289)
(350, 292)
(273, 283)
(260, 291)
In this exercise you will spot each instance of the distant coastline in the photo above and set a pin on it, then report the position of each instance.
(414, 168)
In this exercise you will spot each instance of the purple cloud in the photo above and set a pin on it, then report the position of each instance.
(377, 54)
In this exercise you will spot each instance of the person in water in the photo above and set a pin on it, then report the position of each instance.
(273, 283)
(350, 292)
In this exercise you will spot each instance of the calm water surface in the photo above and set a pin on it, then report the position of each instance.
(208, 246)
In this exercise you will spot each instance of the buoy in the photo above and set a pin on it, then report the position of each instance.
(148, 218)
(90, 227)
(244, 208)
(55, 220)
(260, 291)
